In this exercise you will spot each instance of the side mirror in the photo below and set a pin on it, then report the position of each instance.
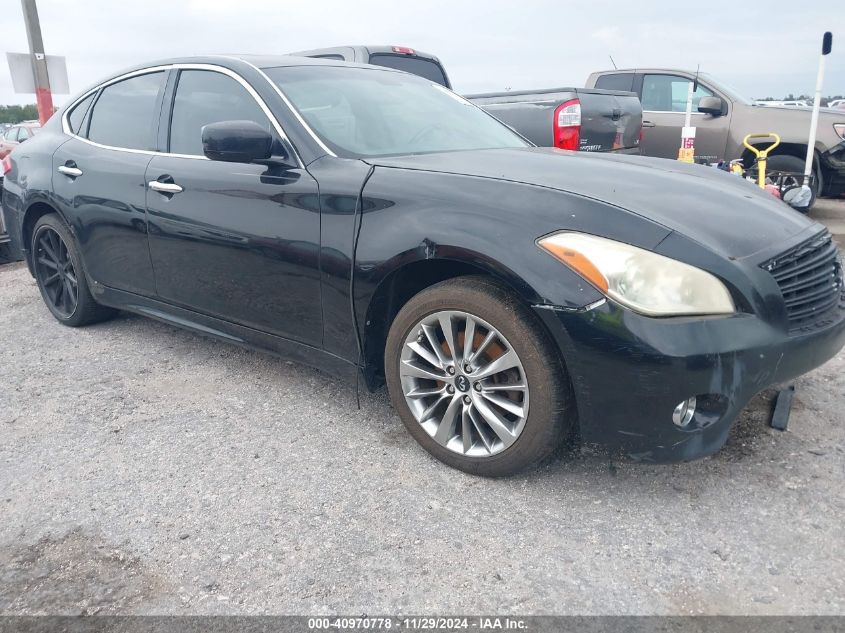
(236, 142)
(711, 105)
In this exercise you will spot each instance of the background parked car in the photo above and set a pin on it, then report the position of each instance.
(16, 135)
(722, 118)
(783, 104)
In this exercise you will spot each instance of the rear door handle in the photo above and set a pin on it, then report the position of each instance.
(165, 187)
(71, 171)
(649, 124)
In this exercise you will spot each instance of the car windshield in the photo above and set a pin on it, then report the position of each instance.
(360, 112)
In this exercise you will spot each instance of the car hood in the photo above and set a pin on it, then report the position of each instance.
(792, 122)
(721, 211)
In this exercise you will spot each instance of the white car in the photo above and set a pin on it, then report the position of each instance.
(781, 104)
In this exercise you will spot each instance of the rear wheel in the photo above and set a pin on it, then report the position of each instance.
(475, 379)
(60, 275)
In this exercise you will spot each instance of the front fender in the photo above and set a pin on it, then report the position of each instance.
(414, 215)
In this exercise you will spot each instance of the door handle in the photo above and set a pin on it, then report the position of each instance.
(649, 124)
(69, 171)
(165, 187)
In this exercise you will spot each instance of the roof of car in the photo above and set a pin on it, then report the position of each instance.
(232, 62)
(259, 61)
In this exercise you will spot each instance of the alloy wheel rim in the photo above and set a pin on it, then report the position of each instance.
(55, 272)
(464, 383)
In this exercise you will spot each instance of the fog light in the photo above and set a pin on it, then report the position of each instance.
(683, 413)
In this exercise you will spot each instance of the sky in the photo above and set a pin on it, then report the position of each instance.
(763, 48)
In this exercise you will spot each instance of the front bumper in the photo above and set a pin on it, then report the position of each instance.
(629, 372)
(833, 165)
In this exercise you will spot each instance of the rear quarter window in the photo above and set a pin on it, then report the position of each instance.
(415, 65)
(77, 115)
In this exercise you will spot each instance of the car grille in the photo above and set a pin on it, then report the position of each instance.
(810, 278)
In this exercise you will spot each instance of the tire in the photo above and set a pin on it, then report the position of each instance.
(785, 162)
(474, 446)
(66, 293)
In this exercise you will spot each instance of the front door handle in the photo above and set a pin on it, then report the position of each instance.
(71, 171)
(649, 124)
(165, 187)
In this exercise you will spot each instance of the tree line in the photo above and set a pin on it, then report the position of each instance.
(17, 113)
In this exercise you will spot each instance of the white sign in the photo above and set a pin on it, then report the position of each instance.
(20, 65)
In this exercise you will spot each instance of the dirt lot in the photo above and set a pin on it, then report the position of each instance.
(144, 469)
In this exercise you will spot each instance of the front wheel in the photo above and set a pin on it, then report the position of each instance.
(476, 379)
(793, 166)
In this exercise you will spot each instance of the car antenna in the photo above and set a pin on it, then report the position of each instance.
(613, 62)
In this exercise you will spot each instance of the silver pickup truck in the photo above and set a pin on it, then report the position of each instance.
(568, 118)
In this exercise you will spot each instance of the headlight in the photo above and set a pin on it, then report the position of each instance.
(641, 280)
(839, 128)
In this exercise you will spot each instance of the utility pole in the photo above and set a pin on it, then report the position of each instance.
(43, 95)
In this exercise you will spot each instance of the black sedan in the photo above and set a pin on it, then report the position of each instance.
(374, 224)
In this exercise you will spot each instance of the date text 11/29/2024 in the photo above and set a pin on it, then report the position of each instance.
(420, 623)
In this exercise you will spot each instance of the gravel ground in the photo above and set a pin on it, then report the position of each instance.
(144, 470)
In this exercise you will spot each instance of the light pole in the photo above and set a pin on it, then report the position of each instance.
(43, 95)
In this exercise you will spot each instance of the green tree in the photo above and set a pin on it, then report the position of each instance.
(16, 113)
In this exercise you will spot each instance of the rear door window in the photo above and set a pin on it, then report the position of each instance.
(22, 134)
(125, 113)
(618, 81)
(203, 97)
(415, 65)
(668, 93)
